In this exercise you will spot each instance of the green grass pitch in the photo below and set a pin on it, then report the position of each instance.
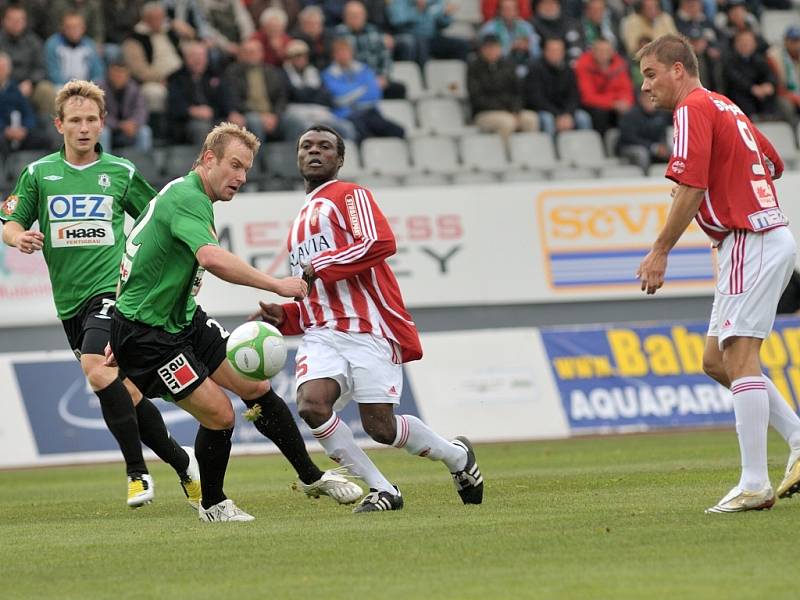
(616, 518)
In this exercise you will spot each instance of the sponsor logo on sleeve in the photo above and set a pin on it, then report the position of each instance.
(352, 213)
(678, 167)
(178, 374)
(9, 206)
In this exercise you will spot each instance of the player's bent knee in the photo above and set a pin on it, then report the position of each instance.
(223, 417)
(381, 432)
(100, 376)
(250, 390)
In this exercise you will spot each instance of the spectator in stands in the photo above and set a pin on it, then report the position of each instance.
(259, 95)
(291, 7)
(90, 10)
(27, 59)
(152, 55)
(356, 93)
(196, 99)
(495, 93)
(272, 35)
(709, 65)
(549, 22)
(517, 37)
(736, 18)
(690, 14)
(418, 25)
(229, 24)
(126, 111)
(604, 84)
(71, 54)
(491, 8)
(308, 99)
(311, 29)
(550, 89)
(188, 20)
(749, 80)
(372, 47)
(648, 21)
(18, 123)
(785, 61)
(119, 17)
(643, 134)
(599, 21)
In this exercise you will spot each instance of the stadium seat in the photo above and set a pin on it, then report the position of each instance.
(443, 116)
(524, 175)
(446, 78)
(281, 166)
(408, 73)
(435, 155)
(775, 22)
(148, 164)
(583, 148)
(426, 179)
(379, 182)
(782, 137)
(386, 157)
(484, 152)
(473, 178)
(610, 140)
(469, 11)
(573, 173)
(352, 168)
(533, 152)
(460, 29)
(402, 113)
(621, 171)
(179, 160)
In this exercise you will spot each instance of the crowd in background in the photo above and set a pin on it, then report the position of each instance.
(173, 69)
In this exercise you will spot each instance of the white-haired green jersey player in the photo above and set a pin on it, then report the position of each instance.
(79, 196)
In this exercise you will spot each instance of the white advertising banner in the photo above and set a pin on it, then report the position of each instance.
(476, 245)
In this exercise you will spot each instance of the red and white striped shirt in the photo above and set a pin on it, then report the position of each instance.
(341, 231)
(719, 150)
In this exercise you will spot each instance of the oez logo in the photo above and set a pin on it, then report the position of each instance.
(79, 207)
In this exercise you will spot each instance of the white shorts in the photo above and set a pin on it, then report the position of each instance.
(754, 269)
(366, 367)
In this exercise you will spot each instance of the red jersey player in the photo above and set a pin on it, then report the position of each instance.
(356, 330)
(724, 167)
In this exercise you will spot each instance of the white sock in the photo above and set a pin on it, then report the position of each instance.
(337, 439)
(420, 440)
(781, 416)
(751, 405)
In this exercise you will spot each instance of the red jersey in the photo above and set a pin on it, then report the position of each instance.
(718, 149)
(341, 231)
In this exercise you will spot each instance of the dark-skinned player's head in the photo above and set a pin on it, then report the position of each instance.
(320, 153)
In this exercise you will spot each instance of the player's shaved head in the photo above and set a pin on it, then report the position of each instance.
(670, 49)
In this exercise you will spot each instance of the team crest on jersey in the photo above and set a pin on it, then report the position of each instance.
(104, 181)
(352, 213)
(178, 374)
(9, 206)
(678, 167)
(763, 193)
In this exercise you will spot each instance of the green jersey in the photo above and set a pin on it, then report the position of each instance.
(81, 212)
(160, 275)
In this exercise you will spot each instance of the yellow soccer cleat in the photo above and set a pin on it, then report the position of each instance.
(140, 490)
(791, 480)
(190, 480)
(738, 500)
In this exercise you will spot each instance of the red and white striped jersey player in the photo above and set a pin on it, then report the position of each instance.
(724, 169)
(356, 330)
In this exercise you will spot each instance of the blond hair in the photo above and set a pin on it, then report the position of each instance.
(83, 89)
(218, 139)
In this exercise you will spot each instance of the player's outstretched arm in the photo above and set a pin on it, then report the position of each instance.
(233, 269)
(685, 204)
(25, 241)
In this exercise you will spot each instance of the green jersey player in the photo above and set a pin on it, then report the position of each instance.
(79, 196)
(169, 347)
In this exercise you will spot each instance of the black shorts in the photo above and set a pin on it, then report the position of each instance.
(88, 330)
(168, 365)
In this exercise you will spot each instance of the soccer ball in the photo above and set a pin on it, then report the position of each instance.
(256, 350)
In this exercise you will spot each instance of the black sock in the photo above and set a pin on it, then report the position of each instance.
(212, 449)
(155, 436)
(120, 417)
(277, 423)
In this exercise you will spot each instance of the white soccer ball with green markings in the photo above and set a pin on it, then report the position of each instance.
(256, 350)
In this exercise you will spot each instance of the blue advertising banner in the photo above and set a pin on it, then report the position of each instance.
(628, 377)
(65, 417)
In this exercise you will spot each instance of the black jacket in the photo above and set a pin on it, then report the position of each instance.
(183, 92)
(553, 89)
(493, 86)
(236, 85)
(638, 128)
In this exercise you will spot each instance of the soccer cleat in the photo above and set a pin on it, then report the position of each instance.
(791, 480)
(469, 481)
(190, 480)
(379, 501)
(224, 511)
(140, 490)
(335, 484)
(738, 500)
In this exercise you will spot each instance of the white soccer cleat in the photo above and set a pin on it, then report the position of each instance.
(335, 484)
(140, 490)
(224, 511)
(791, 479)
(738, 500)
(190, 481)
